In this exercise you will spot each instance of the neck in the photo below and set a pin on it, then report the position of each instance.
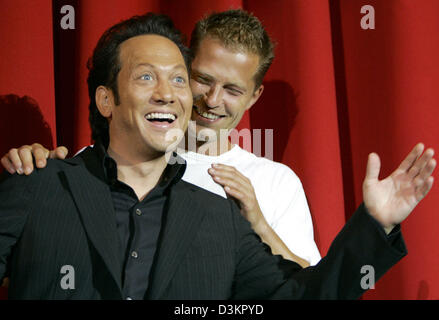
(209, 148)
(142, 175)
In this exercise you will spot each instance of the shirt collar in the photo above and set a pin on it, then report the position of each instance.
(173, 172)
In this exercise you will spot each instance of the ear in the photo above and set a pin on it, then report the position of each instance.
(104, 101)
(255, 96)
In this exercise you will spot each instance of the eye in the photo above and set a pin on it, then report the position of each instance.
(146, 77)
(180, 80)
(202, 80)
(234, 92)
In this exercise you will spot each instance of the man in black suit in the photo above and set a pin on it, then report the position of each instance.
(127, 227)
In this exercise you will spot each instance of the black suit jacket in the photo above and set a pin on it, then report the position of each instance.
(63, 215)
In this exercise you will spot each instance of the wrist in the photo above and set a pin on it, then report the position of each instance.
(386, 225)
(261, 227)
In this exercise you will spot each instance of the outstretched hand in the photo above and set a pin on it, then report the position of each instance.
(21, 160)
(392, 199)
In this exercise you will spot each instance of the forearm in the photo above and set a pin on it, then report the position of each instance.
(361, 242)
(276, 244)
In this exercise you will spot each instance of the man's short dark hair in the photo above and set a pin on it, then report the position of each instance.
(237, 30)
(104, 65)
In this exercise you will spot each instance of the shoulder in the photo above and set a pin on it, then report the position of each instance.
(207, 200)
(39, 176)
(53, 166)
(272, 170)
(25, 188)
(222, 212)
(201, 194)
(279, 169)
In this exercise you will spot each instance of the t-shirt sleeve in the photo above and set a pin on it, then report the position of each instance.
(291, 218)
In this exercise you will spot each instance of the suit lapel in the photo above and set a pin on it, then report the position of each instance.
(93, 200)
(182, 220)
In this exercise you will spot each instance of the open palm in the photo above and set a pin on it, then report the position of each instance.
(392, 199)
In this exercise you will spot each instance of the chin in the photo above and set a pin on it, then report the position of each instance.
(165, 147)
(203, 131)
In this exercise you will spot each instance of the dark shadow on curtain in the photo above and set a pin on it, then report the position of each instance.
(65, 52)
(4, 289)
(22, 123)
(423, 290)
(276, 109)
(342, 108)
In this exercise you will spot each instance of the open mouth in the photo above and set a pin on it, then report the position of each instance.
(207, 115)
(158, 117)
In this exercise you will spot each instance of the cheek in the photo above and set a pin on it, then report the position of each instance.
(185, 98)
(234, 106)
(133, 99)
(198, 88)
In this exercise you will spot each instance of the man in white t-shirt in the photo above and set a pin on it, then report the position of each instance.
(232, 54)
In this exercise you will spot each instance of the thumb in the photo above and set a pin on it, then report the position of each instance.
(373, 167)
(58, 153)
(62, 152)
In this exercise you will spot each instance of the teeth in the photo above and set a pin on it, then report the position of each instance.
(157, 115)
(210, 116)
(207, 115)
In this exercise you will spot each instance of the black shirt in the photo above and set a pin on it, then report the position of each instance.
(138, 222)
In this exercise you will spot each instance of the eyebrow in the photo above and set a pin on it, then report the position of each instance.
(209, 77)
(146, 64)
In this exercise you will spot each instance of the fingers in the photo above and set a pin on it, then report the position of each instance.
(21, 160)
(420, 164)
(235, 184)
(25, 154)
(14, 159)
(373, 167)
(61, 152)
(422, 178)
(225, 178)
(7, 164)
(408, 162)
(424, 189)
(231, 187)
(40, 154)
(230, 171)
(58, 153)
(428, 168)
(421, 171)
(234, 193)
(227, 175)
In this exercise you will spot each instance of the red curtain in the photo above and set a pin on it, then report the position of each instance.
(334, 93)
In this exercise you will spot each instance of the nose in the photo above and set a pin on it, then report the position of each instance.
(214, 97)
(163, 93)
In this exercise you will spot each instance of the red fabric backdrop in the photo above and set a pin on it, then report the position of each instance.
(334, 94)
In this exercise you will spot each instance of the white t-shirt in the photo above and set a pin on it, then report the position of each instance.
(278, 190)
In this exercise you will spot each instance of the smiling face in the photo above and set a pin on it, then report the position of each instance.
(154, 96)
(222, 85)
